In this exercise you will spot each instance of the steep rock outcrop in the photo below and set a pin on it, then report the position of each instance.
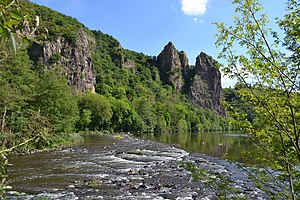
(75, 57)
(206, 89)
(184, 64)
(169, 64)
(202, 84)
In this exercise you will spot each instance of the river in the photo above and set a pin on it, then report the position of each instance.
(216, 144)
(106, 167)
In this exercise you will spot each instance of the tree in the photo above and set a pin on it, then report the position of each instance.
(17, 89)
(125, 118)
(100, 107)
(268, 64)
(54, 100)
(85, 119)
(145, 109)
(13, 23)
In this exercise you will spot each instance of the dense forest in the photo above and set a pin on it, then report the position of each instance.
(37, 99)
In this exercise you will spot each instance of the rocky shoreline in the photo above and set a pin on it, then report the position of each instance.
(131, 168)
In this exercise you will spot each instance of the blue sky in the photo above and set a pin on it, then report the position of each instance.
(148, 25)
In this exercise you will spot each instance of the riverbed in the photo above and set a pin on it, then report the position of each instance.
(108, 167)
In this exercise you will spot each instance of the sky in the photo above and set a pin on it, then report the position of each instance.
(148, 25)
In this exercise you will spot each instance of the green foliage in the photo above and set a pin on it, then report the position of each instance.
(100, 108)
(32, 103)
(219, 183)
(125, 118)
(85, 119)
(139, 101)
(55, 101)
(52, 24)
(269, 76)
(17, 89)
(95, 183)
(71, 37)
(237, 104)
(11, 21)
(54, 58)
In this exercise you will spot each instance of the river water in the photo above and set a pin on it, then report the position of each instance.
(216, 144)
(105, 167)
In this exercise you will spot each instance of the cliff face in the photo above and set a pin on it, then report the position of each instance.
(206, 89)
(74, 56)
(170, 67)
(184, 64)
(202, 84)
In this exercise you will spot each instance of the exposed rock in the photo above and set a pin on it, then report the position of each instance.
(170, 67)
(184, 64)
(202, 84)
(76, 57)
(128, 64)
(206, 89)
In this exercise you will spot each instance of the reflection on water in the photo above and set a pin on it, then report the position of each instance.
(217, 144)
(104, 167)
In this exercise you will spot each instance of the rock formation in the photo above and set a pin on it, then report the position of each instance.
(202, 84)
(128, 64)
(170, 67)
(184, 64)
(75, 56)
(206, 89)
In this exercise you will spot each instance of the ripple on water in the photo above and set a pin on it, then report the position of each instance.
(125, 169)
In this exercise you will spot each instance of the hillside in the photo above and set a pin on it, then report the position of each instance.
(75, 79)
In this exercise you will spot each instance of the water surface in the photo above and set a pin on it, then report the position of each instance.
(217, 144)
(104, 167)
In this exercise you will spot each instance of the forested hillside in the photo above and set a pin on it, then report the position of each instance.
(73, 79)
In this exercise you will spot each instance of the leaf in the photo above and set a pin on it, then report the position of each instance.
(27, 41)
(16, 15)
(14, 44)
(13, 22)
(3, 35)
(7, 25)
(7, 2)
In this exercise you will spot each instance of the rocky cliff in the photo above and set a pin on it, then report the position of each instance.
(170, 67)
(75, 56)
(206, 89)
(184, 64)
(202, 84)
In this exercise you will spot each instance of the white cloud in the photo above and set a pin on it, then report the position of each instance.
(194, 7)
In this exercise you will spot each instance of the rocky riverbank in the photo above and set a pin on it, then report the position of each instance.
(126, 168)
